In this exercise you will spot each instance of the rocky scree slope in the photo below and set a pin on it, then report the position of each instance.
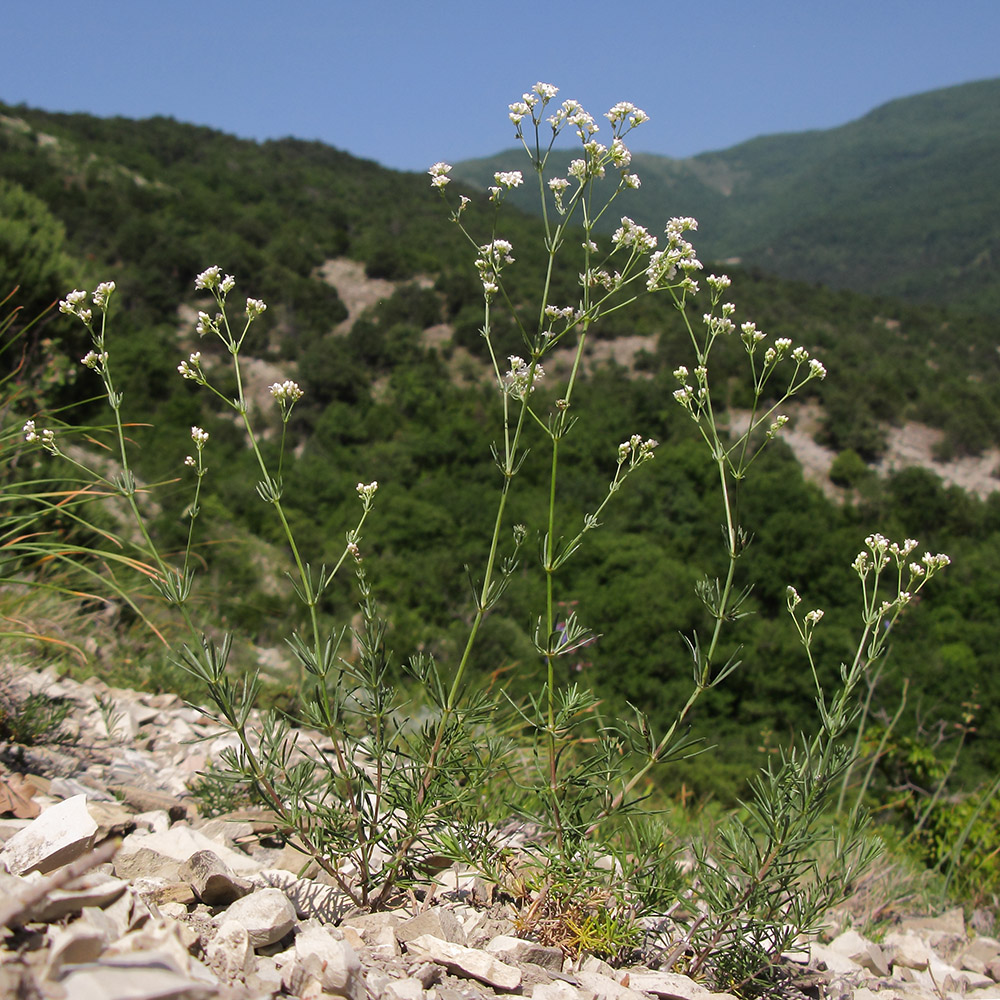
(113, 886)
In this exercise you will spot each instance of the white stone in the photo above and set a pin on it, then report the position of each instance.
(910, 950)
(267, 915)
(311, 899)
(230, 954)
(673, 986)
(834, 961)
(465, 961)
(516, 950)
(180, 842)
(333, 963)
(404, 989)
(438, 922)
(557, 990)
(605, 988)
(59, 835)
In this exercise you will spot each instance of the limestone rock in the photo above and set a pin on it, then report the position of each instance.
(311, 899)
(212, 880)
(179, 843)
(331, 963)
(517, 951)
(267, 915)
(230, 954)
(558, 990)
(673, 986)
(605, 988)
(439, 922)
(59, 835)
(404, 989)
(466, 962)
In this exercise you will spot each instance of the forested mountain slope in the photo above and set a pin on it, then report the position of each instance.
(904, 201)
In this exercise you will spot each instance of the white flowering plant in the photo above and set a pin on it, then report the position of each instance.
(580, 778)
(384, 795)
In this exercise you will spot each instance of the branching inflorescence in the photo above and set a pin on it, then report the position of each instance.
(385, 794)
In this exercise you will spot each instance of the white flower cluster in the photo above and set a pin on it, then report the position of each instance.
(505, 180)
(687, 395)
(200, 437)
(636, 450)
(631, 234)
(782, 348)
(750, 336)
(95, 360)
(541, 92)
(213, 280)
(103, 293)
(285, 392)
(520, 380)
(718, 325)
(625, 110)
(439, 175)
(366, 493)
(492, 258)
(73, 305)
(45, 437)
(191, 369)
(878, 553)
(206, 324)
(602, 277)
(678, 254)
(254, 308)
(621, 157)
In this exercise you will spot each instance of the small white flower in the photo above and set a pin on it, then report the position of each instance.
(718, 282)
(94, 359)
(521, 379)
(545, 91)
(518, 112)
(200, 437)
(792, 596)
(227, 284)
(285, 392)
(209, 278)
(205, 324)
(439, 174)
(188, 460)
(631, 234)
(508, 178)
(813, 617)
(366, 493)
(191, 369)
(73, 305)
(46, 437)
(816, 369)
(621, 155)
(103, 293)
(255, 307)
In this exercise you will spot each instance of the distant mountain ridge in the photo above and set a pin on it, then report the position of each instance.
(904, 201)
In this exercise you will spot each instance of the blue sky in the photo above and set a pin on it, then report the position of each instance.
(409, 83)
